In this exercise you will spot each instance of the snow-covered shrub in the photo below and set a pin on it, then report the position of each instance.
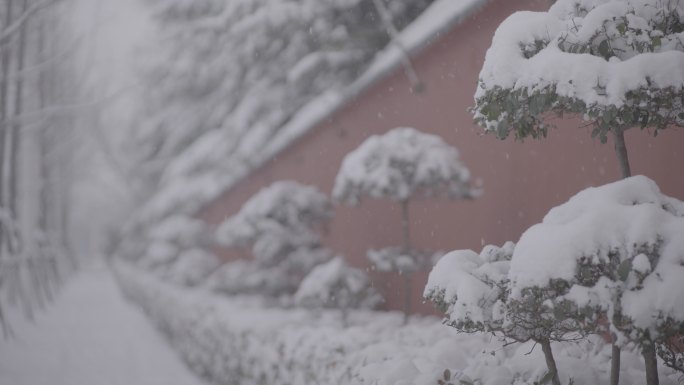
(191, 267)
(180, 230)
(175, 250)
(474, 293)
(619, 247)
(239, 341)
(165, 240)
(616, 63)
(158, 255)
(613, 251)
(250, 277)
(335, 284)
(472, 289)
(403, 165)
(279, 223)
(671, 350)
(396, 259)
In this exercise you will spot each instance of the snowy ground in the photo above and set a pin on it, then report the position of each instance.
(90, 336)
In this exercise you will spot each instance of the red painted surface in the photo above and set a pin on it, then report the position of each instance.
(520, 181)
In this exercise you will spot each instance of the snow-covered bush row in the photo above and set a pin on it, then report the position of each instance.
(613, 252)
(238, 341)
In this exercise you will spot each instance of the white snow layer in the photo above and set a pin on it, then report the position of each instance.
(468, 284)
(401, 164)
(620, 219)
(580, 21)
(336, 284)
(280, 217)
(89, 336)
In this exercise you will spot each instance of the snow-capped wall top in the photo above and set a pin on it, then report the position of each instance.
(403, 163)
(596, 53)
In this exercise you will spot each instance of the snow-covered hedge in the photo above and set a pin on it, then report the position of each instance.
(238, 341)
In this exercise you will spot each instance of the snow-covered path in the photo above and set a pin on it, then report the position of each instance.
(90, 336)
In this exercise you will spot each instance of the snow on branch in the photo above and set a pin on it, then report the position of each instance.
(471, 288)
(279, 224)
(619, 63)
(404, 163)
(281, 216)
(335, 284)
(615, 248)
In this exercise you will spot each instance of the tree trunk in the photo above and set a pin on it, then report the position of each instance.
(5, 56)
(621, 151)
(651, 363)
(43, 141)
(407, 297)
(15, 142)
(405, 226)
(344, 313)
(625, 172)
(550, 361)
(615, 365)
(65, 218)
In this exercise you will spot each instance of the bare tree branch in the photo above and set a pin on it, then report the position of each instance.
(13, 28)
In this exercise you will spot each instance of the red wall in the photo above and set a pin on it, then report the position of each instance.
(521, 181)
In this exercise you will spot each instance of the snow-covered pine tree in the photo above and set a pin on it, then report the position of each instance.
(176, 250)
(618, 64)
(402, 165)
(472, 289)
(337, 285)
(279, 224)
(474, 292)
(610, 250)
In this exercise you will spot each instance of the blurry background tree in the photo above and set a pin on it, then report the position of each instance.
(279, 225)
(335, 284)
(403, 165)
(38, 93)
(230, 75)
